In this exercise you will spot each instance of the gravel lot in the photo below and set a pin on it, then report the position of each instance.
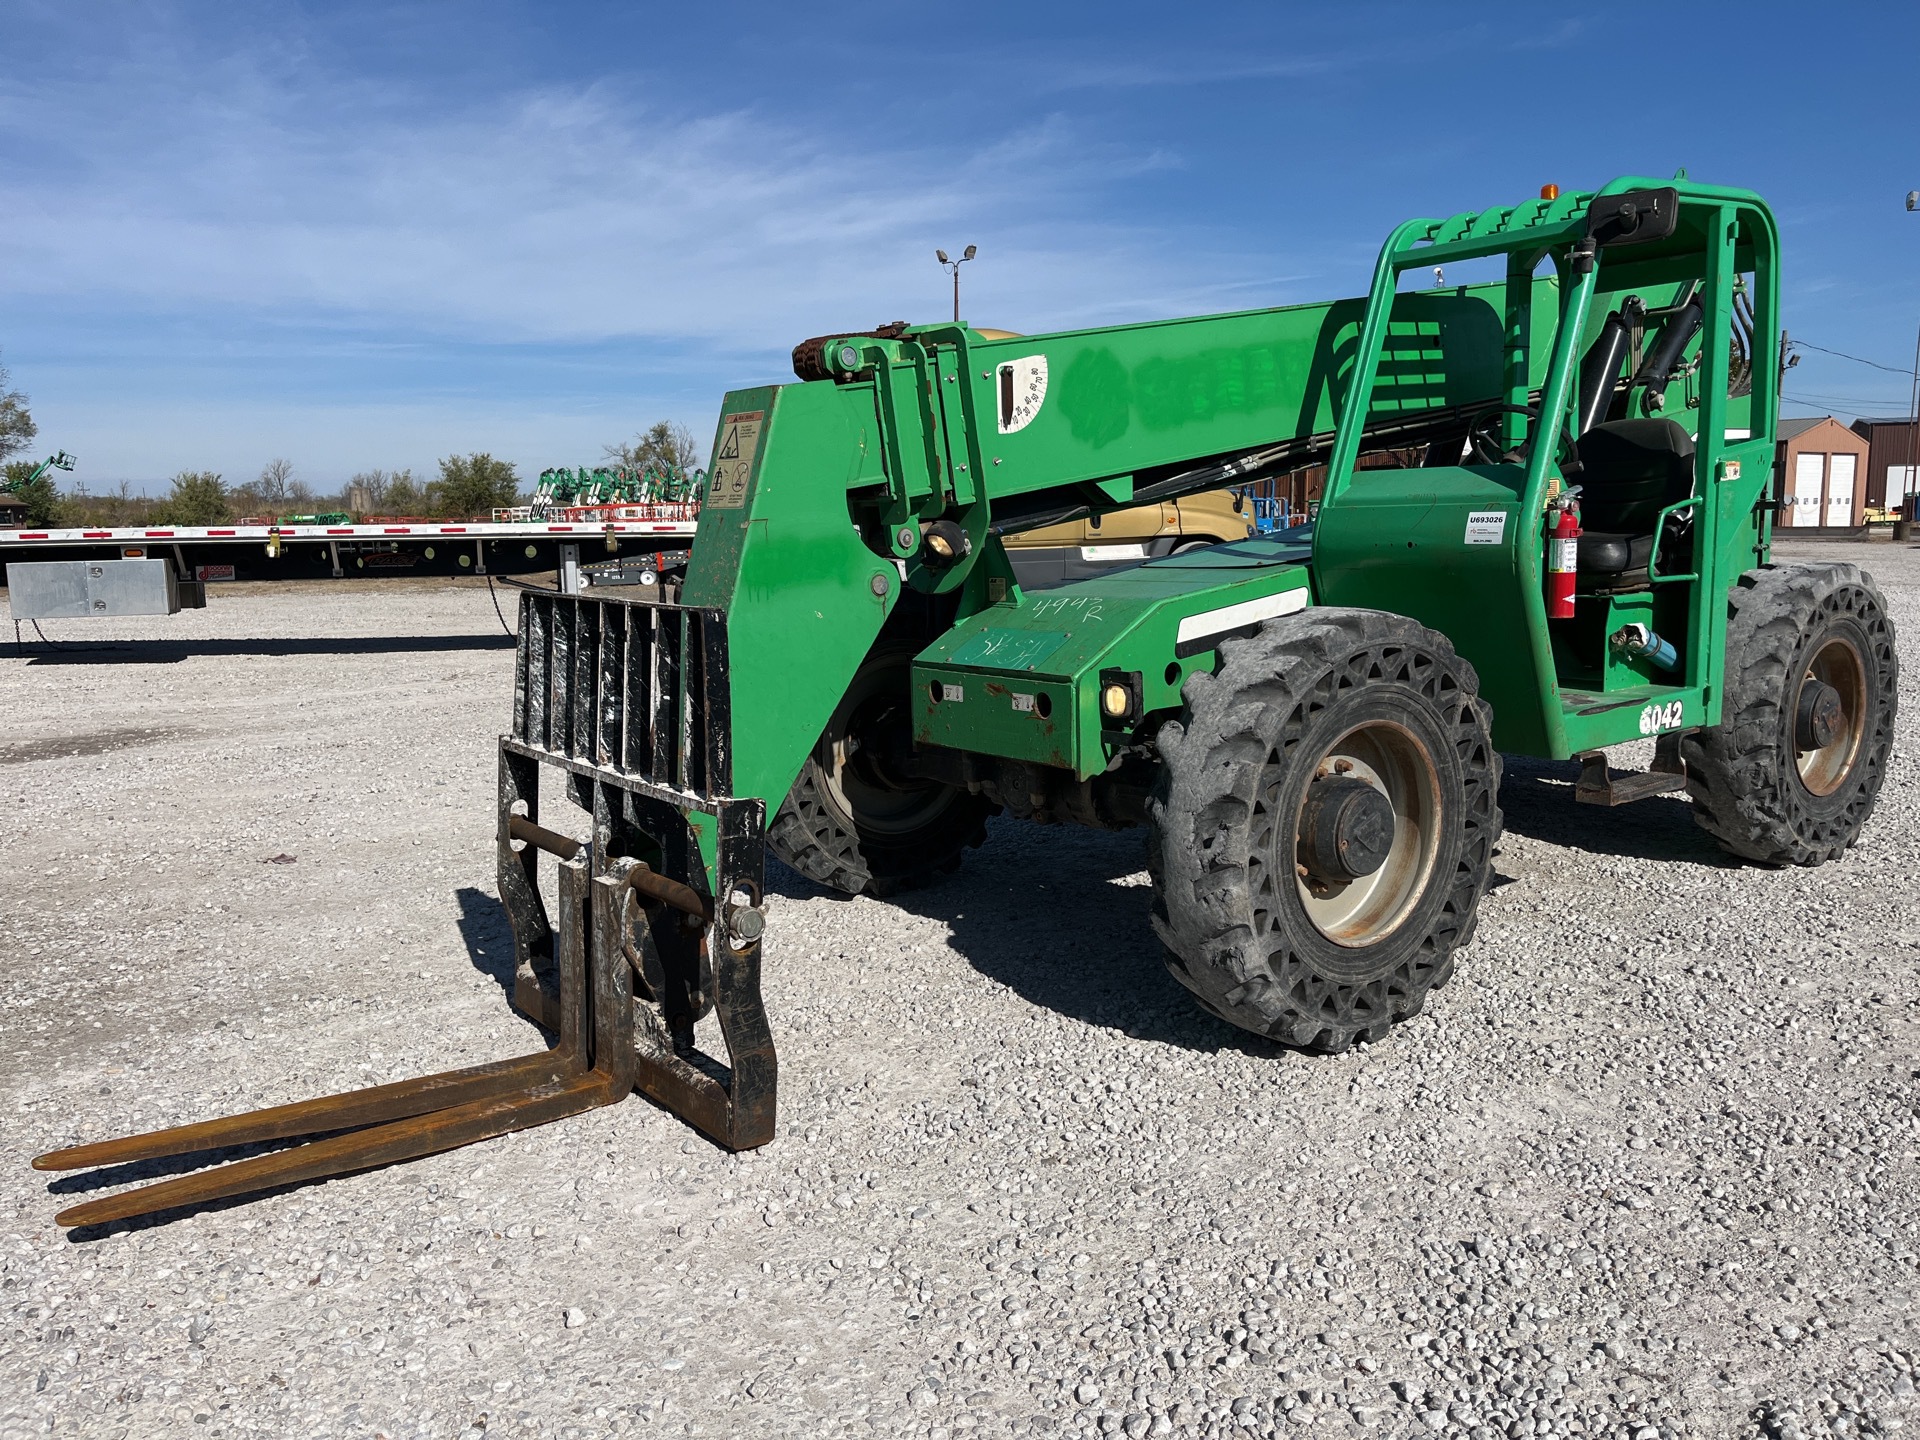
(1649, 1167)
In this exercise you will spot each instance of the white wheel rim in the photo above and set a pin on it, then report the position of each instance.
(1396, 762)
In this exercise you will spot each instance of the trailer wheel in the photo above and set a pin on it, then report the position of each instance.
(1793, 770)
(1324, 825)
(853, 820)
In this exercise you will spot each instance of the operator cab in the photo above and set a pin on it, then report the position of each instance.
(1639, 383)
(1629, 471)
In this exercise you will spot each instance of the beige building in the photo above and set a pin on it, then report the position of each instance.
(1820, 474)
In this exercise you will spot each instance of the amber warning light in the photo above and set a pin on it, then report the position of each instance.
(1549, 192)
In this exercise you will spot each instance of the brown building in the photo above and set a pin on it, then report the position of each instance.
(1827, 475)
(1890, 447)
(1820, 473)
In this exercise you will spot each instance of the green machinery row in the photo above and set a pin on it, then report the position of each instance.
(650, 484)
(1545, 531)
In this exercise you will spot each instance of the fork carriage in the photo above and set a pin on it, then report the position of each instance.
(628, 701)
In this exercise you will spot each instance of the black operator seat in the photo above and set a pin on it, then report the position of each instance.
(1630, 471)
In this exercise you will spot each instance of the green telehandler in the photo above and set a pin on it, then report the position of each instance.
(1558, 542)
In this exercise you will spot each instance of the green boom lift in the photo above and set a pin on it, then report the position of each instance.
(23, 486)
(1310, 734)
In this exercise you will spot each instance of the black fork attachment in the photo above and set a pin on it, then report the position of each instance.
(630, 701)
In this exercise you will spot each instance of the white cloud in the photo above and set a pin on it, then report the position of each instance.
(551, 217)
(198, 234)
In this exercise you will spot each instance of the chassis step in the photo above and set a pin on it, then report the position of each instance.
(1598, 785)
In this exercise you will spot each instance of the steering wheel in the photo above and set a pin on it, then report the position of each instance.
(1484, 441)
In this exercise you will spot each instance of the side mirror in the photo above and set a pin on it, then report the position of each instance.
(1633, 217)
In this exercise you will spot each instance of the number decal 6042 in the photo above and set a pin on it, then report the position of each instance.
(1656, 718)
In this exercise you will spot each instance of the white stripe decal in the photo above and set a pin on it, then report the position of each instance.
(1247, 612)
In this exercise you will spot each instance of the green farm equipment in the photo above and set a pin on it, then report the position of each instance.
(650, 484)
(1545, 530)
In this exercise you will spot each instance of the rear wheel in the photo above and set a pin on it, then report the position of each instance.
(1793, 770)
(855, 820)
(1324, 826)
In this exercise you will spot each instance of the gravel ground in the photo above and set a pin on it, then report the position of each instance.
(1647, 1168)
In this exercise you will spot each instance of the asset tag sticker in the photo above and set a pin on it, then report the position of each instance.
(733, 459)
(1657, 719)
(1486, 527)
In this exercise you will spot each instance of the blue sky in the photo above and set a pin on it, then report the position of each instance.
(362, 235)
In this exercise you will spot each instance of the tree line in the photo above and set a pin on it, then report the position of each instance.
(466, 487)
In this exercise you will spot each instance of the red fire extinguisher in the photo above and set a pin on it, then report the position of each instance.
(1563, 557)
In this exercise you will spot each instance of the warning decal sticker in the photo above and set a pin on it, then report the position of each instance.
(1023, 390)
(733, 460)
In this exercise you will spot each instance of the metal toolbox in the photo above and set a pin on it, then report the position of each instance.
(76, 589)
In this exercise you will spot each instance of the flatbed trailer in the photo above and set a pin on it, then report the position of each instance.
(308, 552)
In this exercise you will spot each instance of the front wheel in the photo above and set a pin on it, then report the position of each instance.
(1323, 828)
(1793, 770)
(857, 820)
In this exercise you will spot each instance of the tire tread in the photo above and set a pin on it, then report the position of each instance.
(1256, 708)
(1736, 772)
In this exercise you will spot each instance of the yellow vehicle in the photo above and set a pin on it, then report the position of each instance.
(1093, 545)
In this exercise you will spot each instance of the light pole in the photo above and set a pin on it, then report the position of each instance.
(1913, 412)
(968, 254)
